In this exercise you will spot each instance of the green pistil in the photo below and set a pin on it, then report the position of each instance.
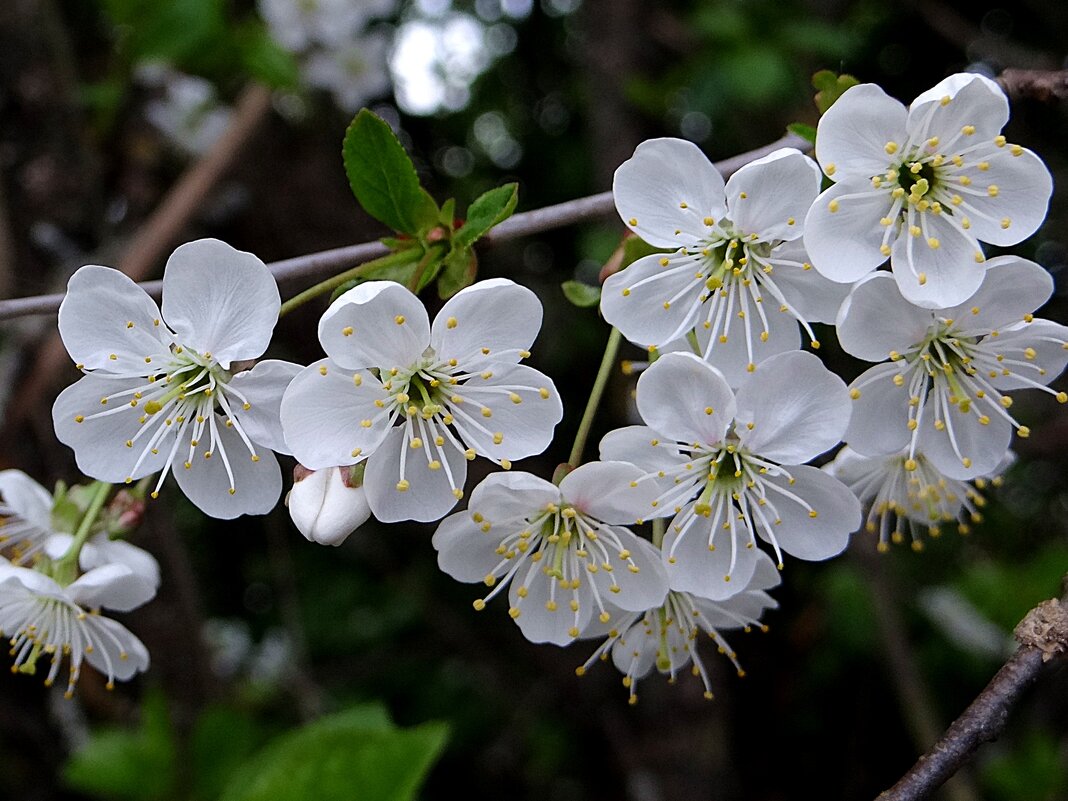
(916, 183)
(560, 550)
(430, 408)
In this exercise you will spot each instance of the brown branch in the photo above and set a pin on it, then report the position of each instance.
(1043, 637)
(315, 266)
(1042, 85)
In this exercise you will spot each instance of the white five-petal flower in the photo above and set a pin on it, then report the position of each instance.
(738, 275)
(418, 401)
(560, 550)
(728, 467)
(44, 619)
(943, 391)
(26, 509)
(158, 393)
(666, 637)
(922, 186)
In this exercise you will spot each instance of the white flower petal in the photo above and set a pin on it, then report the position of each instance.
(26, 498)
(936, 277)
(685, 399)
(1012, 288)
(465, 551)
(512, 495)
(535, 620)
(100, 443)
(797, 408)
(610, 491)
(812, 295)
(525, 427)
(634, 653)
(263, 387)
(100, 551)
(105, 314)
(746, 344)
(634, 444)
(1018, 186)
(643, 588)
(429, 493)
(875, 320)
(974, 100)
(693, 567)
(323, 412)
(800, 534)
(1047, 340)
(844, 244)
(983, 445)
(257, 484)
(666, 190)
(491, 320)
(220, 300)
(772, 195)
(853, 133)
(879, 422)
(112, 586)
(116, 650)
(375, 324)
(633, 300)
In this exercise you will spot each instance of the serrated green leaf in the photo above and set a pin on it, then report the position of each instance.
(582, 295)
(488, 210)
(805, 131)
(120, 764)
(448, 213)
(345, 757)
(460, 269)
(383, 178)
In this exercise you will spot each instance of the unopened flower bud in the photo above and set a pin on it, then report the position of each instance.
(328, 505)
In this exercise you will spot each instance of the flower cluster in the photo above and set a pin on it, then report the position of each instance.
(733, 411)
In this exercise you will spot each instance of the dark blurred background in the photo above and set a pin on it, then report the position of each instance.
(107, 105)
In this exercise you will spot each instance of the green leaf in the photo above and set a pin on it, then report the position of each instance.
(120, 764)
(346, 757)
(182, 32)
(634, 248)
(805, 131)
(264, 59)
(460, 270)
(383, 177)
(448, 213)
(830, 87)
(221, 741)
(491, 208)
(582, 295)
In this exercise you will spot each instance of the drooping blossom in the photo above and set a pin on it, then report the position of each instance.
(666, 637)
(561, 551)
(159, 395)
(737, 274)
(923, 187)
(418, 401)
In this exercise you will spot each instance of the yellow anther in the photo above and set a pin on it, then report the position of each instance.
(1000, 140)
(322, 370)
(1016, 150)
(478, 604)
(833, 206)
(854, 393)
(922, 278)
(403, 485)
(487, 411)
(346, 331)
(933, 243)
(415, 443)
(932, 142)
(365, 423)
(890, 148)
(968, 130)
(664, 261)
(399, 319)
(830, 169)
(884, 249)
(992, 190)
(910, 465)
(498, 438)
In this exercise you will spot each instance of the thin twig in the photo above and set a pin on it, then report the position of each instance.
(316, 265)
(1041, 85)
(1043, 638)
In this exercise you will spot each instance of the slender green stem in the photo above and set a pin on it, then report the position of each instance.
(413, 285)
(69, 560)
(659, 527)
(599, 384)
(330, 284)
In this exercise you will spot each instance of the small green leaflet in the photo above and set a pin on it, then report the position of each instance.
(582, 295)
(488, 210)
(383, 177)
(806, 132)
(830, 86)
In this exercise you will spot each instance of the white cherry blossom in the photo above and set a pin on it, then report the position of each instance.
(418, 401)
(922, 186)
(666, 637)
(943, 392)
(26, 509)
(738, 274)
(558, 550)
(328, 505)
(728, 467)
(158, 392)
(46, 620)
(299, 25)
